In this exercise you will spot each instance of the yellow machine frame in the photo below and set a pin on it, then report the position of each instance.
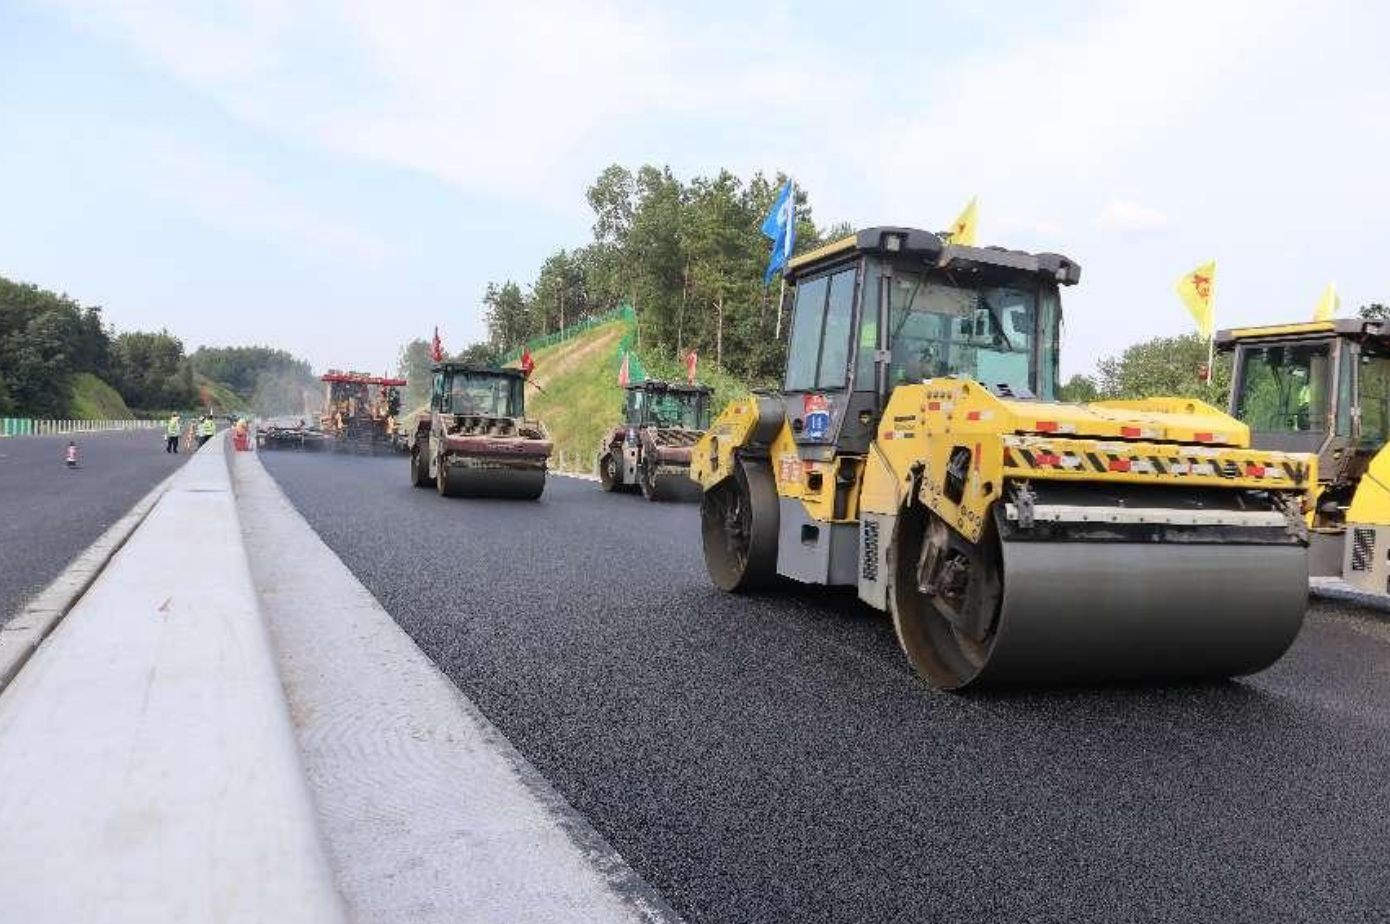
(975, 459)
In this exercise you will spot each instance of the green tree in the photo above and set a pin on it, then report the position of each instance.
(1375, 311)
(44, 339)
(150, 372)
(1165, 366)
(559, 296)
(481, 354)
(688, 256)
(508, 316)
(1079, 389)
(413, 364)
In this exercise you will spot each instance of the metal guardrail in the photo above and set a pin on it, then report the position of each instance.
(29, 426)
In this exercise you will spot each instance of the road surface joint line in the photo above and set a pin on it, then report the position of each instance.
(150, 761)
(428, 811)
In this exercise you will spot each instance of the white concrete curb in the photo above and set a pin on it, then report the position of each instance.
(429, 814)
(148, 770)
(22, 635)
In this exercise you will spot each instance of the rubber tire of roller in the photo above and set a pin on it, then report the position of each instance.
(752, 479)
(608, 472)
(647, 480)
(419, 470)
(441, 479)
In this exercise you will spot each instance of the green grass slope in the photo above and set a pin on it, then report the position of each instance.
(223, 399)
(578, 397)
(93, 399)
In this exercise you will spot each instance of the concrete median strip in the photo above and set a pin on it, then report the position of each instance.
(428, 812)
(226, 726)
(22, 635)
(148, 770)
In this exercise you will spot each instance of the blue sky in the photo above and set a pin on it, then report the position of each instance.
(335, 178)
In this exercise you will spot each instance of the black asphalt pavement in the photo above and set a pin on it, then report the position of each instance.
(774, 759)
(51, 514)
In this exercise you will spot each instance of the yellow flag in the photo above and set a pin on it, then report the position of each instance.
(1328, 305)
(1198, 292)
(964, 228)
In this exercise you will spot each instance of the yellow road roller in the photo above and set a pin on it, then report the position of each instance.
(1324, 387)
(916, 452)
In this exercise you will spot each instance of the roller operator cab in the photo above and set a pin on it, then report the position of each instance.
(476, 440)
(917, 453)
(1324, 387)
(650, 449)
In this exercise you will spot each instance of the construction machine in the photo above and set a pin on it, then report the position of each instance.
(650, 449)
(917, 453)
(1323, 387)
(476, 440)
(289, 433)
(360, 410)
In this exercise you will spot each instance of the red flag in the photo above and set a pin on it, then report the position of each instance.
(527, 363)
(691, 361)
(437, 347)
(623, 373)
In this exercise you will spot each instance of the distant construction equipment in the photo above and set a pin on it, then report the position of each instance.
(651, 448)
(360, 414)
(476, 440)
(1324, 387)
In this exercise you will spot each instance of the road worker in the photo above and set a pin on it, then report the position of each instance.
(171, 434)
(207, 427)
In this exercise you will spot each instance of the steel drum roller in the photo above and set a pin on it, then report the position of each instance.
(1081, 612)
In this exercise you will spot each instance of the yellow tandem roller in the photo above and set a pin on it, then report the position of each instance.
(916, 452)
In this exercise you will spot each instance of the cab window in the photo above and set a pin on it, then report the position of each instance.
(1373, 390)
(822, 320)
(1284, 388)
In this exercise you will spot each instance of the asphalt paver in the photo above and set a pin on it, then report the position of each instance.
(773, 758)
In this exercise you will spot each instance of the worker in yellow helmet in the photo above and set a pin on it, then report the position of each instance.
(171, 434)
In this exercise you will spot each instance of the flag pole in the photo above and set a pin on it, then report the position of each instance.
(782, 290)
(1211, 337)
(781, 297)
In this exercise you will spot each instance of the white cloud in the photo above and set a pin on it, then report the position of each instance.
(1252, 121)
(224, 195)
(494, 98)
(1123, 215)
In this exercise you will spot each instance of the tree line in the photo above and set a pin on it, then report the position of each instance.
(1169, 366)
(688, 256)
(47, 338)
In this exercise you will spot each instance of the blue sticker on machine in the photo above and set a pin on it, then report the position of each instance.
(815, 412)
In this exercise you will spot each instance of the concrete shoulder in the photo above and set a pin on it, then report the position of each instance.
(148, 771)
(428, 812)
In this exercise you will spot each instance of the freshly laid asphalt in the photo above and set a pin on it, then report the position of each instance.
(51, 514)
(774, 759)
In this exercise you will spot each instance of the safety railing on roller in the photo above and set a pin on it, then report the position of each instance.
(28, 426)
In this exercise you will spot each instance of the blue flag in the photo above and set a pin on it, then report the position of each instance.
(780, 226)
